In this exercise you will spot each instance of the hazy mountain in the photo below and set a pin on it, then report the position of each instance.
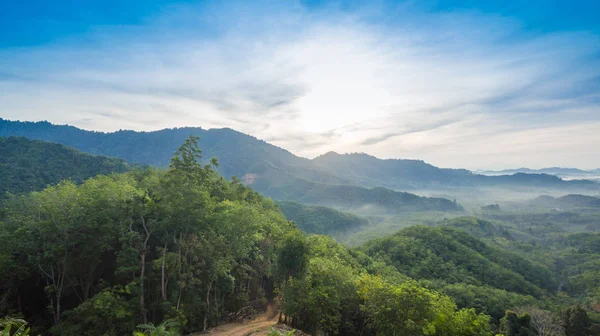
(567, 202)
(398, 174)
(237, 152)
(279, 184)
(558, 171)
(250, 159)
(412, 174)
(28, 165)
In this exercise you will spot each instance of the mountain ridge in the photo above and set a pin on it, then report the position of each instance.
(242, 155)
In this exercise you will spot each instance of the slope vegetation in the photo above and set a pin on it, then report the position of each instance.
(27, 165)
(454, 256)
(320, 219)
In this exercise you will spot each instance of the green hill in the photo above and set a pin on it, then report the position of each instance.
(28, 165)
(571, 201)
(477, 227)
(321, 220)
(453, 256)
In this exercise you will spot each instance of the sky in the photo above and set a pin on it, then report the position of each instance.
(470, 84)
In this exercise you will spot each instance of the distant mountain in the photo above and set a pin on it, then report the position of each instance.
(321, 220)
(30, 165)
(393, 173)
(558, 171)
(278, 173)
(567, 202)
(279, 184)
(415, 174)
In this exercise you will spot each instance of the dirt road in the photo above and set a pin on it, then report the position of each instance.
(256, 327)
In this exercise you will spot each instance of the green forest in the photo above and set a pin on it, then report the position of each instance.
(136, 250)
(21, 160)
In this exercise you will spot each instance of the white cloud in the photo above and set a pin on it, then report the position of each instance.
(455, 89)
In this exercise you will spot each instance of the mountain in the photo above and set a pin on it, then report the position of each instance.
(28, 165)
(279, 184)
(273, 170)
(416, 174)
(571, 201)
(393, 173)
(558, 171)
(237, 152)
(321, 220)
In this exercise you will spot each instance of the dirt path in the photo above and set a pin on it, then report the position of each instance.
(258, 326)
(237, 329)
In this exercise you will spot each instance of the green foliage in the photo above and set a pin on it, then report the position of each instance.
(485, 299)
(476, 227)
(110, 312)
(273, 332)
(513, 324)
(577, 322)
(116, 250)
(456, 257)
(7, 324)
(337, 296)
(408, 309)
(165, 328)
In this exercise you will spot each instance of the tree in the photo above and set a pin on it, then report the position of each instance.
(51, 220)
(513, 324)
(409, 309)
(576, 322)
(544, 322)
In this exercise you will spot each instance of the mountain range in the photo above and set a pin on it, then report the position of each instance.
(344, 181)
(558, 171)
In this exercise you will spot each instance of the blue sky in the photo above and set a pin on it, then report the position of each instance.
(475, 84)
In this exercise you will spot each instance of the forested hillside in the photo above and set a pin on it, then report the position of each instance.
(321, 220)
(27, 165)
(189, 248)
(102, 257)
(457, 257)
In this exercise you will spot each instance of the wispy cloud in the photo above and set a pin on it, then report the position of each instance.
(457, 89)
